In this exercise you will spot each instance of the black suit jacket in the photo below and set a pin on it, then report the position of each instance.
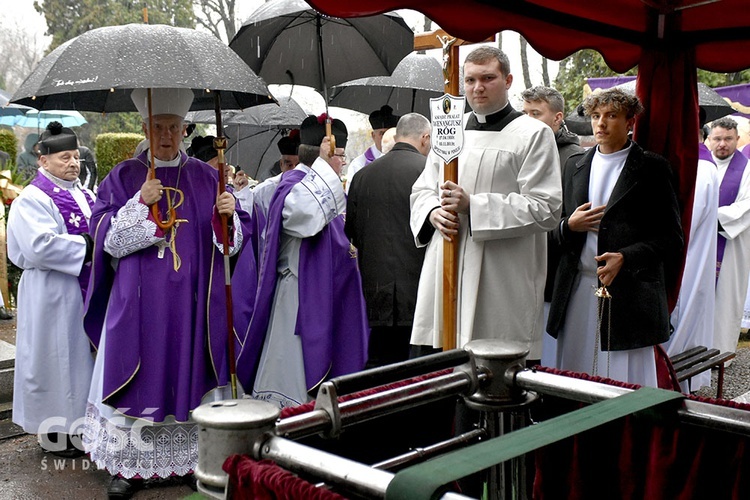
(377, 222)
(641, 221)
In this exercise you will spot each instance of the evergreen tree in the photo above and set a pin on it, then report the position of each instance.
(67, 19)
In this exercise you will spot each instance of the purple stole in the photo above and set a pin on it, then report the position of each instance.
(75, 221)
(369, 156)
(705, 154)
(730, 187)
(331, 320)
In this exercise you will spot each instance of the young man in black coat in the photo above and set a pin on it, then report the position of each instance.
(620, 228)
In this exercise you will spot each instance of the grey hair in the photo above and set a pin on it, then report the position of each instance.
(483, 54)
(308, 154)
(549, 95)
(725, 123)
(412, 125)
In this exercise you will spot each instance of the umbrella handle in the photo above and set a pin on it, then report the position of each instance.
(164, 225)
(331, 137)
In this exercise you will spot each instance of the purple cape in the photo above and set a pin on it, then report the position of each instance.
(331, 319)
(166, 339)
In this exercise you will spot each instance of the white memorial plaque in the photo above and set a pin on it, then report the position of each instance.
(447, 114)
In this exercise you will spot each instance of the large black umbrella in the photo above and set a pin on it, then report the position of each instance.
(97, 70)
(253, 149)
(708, 99)
(287, 114)
(287, 42)
(417, 79)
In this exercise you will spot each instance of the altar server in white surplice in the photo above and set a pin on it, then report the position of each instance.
(48, 239)
(693, 315)
(733, 245)
(507, 197)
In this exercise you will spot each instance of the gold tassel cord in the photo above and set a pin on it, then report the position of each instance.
(603, 298)
(174, 202)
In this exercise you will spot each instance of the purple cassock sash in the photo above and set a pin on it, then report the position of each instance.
(369, 156)
(331, 320)
(730, 187)
(75, 221)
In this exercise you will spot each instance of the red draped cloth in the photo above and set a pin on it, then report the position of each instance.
(644, 456)
(264, 480)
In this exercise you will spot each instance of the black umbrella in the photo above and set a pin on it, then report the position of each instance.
(253, 149)
(287, 42)
(708, 99)
(97, 70)
(417, 79)
(287, 114)
(578, 123)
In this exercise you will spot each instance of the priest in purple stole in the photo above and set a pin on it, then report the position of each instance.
(48, 239)
(156, 308)
(733, 245)
(309, 321)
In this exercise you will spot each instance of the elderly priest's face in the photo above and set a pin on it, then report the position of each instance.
(168, 133)
(64, 165)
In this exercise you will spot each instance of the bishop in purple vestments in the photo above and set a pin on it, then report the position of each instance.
(156, 308)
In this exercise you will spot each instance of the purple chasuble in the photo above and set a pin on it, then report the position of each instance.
(331, 320)
(166, 334)
(730, 187)
(75, 221)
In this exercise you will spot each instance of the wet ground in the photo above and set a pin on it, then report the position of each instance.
(28, 473)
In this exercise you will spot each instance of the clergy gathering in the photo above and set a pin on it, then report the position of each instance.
(329, 254)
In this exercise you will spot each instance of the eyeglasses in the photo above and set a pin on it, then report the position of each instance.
(340, 155)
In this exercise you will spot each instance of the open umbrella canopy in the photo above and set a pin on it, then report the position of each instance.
(417, 79)
(287, 42)
(9, 112)
(286, 115)
(709, 100)
(253, 149)
(40, 119)
(97, 70)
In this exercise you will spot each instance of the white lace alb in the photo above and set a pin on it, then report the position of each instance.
(146, 449)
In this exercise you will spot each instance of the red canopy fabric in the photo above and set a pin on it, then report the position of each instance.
(668, 39)
(619, 29)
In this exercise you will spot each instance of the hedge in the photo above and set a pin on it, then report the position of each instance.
(9, 144)
(112, 148)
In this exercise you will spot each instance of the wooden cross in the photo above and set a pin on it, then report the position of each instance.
(439, 39)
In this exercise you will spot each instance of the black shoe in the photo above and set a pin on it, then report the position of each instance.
(4, 314)
(121, 488)
(69, 453)
(190, 481)
(58, 440)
